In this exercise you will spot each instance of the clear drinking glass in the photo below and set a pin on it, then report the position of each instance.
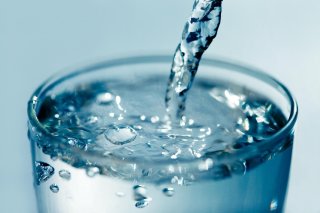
(72, 175)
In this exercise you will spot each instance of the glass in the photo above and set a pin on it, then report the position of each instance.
(71, 178)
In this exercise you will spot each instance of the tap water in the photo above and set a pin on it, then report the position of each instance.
(199, 31)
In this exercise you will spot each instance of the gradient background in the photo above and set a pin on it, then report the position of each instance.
(40, 37)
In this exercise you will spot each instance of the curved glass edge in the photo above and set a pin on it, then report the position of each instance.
(266, 144)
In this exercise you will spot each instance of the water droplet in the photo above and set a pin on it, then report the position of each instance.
(143, 203)
(105, 98)
(273, 205)
(92, 171)
(154, 119)
(120, 194)
(43, 171)
(65, 174)
(169, 192)
(120, 135)
(139, 192)
(143, 117)
(191, 122)
(54, 188)
(118, 102)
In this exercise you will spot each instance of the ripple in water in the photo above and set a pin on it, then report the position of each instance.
(120, 134)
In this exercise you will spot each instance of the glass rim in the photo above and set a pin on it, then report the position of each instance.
(264, 144)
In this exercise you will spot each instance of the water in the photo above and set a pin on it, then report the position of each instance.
(126, 152)
(121, 155)
(199, 31)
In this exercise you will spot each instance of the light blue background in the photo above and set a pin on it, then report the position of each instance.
(40, 37)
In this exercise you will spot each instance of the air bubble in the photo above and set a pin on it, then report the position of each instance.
(120, 135)
(143, 117)
(154, 119)
(239, 168)
(191, 122)
(104, 98)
